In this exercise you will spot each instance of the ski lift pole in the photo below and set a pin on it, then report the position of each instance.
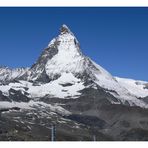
(53, 133)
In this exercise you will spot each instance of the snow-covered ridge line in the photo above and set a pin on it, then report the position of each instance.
(8, 74)
(136, 87)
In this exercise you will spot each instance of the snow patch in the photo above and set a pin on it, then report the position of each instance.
(33, 105)
(55, 88)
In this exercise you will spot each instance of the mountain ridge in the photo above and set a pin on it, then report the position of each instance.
(62, 56)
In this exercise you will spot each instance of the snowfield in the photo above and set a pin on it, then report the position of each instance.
(134, 86)
(56, 88)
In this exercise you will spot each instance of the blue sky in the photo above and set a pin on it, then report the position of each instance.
(116, 38)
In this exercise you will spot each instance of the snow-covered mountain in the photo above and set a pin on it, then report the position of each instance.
(63, 71)
(8, 74)
(138, 88)
(65, 81)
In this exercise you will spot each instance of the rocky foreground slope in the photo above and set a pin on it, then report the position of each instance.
(67, 89)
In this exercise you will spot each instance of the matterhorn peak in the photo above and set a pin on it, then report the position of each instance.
(64, 29)
(64, 37)
(63, 55)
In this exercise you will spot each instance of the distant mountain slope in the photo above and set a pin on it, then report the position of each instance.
(8, 74)
(138, 88)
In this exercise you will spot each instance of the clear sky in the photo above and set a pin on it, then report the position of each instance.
(116, 38)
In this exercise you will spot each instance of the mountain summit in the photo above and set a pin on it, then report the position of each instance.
(62, 54)
(64, 29)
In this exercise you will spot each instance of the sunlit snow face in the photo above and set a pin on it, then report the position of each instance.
(68, 58)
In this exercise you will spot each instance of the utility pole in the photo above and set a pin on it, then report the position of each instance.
(94, 138)
(53, 133)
